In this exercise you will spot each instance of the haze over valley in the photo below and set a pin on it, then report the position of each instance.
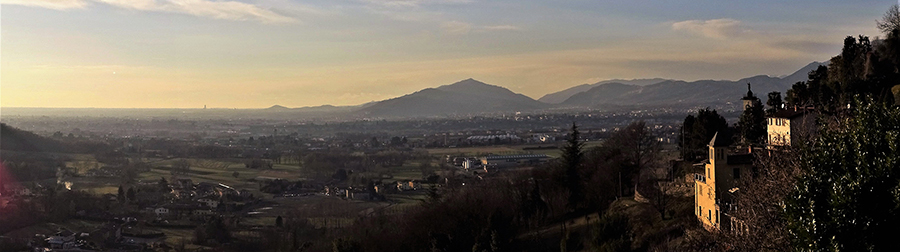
(449, 125)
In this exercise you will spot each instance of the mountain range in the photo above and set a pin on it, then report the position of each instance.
(561, 96)
(471, 97)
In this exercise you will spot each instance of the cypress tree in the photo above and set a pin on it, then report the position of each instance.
(572, 159)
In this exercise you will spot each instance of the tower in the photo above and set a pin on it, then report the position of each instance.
(750, 100)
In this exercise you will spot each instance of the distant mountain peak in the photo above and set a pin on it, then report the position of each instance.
(277, 107)
(802, 74)
(467, 82)
(473, 86)
(467, 96)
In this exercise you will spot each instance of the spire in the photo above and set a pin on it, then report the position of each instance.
(749, 95)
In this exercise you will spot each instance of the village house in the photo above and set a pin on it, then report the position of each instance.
(209, 201)
(713, 188)
(64, 239)
(161, 211)
(408, 185)
(787, 127)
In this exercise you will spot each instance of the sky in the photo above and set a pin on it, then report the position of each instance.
(295, 53)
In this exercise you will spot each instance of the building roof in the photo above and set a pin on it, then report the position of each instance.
(790, 114)
(719, 141)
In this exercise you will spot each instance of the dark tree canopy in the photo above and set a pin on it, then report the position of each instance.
(752, 125)
(847, 199)
(890, 21)
(698, 130)
(572, 159)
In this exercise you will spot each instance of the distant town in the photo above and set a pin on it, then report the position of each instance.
(808, 161)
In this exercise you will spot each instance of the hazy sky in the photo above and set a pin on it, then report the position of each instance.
(257, 53)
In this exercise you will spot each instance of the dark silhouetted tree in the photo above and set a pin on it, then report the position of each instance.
(890, 21)
(698, 130)
(130, 194)
(752, 125)
(637, 143)
(572, 157)
(121, 194)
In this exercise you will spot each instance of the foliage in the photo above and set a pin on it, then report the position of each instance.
(849, 198)
(752, 125)
(863, 68)
(611, 234)
(698, 130)
(215, 229)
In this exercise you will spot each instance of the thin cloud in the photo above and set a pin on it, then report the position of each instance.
(501, 28)
(463, 28)
(49, 4)
(226, 10)
(724, 28)
(456, 27)
(413, 3)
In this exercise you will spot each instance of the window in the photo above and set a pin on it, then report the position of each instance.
(701, 210)
(709, 215)
(737, 173)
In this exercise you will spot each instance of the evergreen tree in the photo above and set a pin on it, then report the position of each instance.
(847, 198)
(121, 194)
(130, 194)
(698, 130)
(752, 125)
(572, 157)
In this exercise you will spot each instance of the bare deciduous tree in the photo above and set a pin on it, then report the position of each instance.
(758, 220)
(890, 21)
